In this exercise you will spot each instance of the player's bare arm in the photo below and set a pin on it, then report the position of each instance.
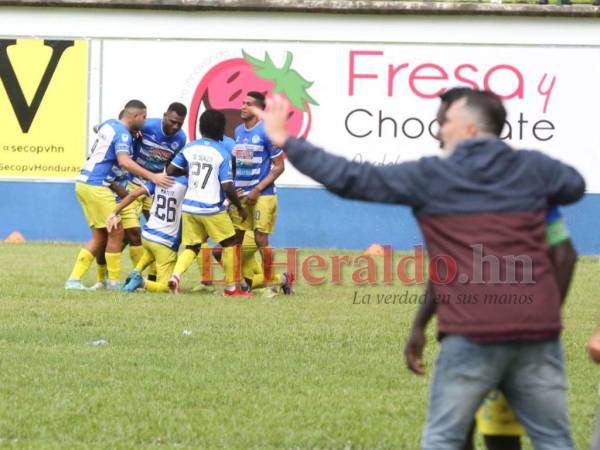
(160, 179)
(175, 171)
(234, 199)
(564, 258)
(128, 199)
(277, 168)
(118, 189)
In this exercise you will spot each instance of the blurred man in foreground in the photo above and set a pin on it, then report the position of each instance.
(481, 208)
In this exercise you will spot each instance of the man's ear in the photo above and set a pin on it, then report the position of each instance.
(473, 129)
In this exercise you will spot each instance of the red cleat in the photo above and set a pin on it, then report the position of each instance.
(287, 282)
(237, 292)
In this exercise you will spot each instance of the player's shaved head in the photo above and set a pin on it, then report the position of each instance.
(134, 115)
(132, 105)
(212, 124)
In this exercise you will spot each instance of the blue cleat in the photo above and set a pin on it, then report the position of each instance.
(134, 281)
(75, 285)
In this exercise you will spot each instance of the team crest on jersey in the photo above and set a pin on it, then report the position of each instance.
(255, 139)
(124, 137)
(175, 145)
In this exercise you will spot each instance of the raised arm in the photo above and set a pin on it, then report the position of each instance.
(398, 183)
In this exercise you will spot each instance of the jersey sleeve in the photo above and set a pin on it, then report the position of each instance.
(228, 143)
(225, 170)
(556, 228)
(123, 143)
(180, 160)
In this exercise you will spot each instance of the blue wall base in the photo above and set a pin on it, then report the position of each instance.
(311, 218)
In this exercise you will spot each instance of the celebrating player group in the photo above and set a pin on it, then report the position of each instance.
(216, 187)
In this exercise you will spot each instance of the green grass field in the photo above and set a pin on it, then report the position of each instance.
(312, 371)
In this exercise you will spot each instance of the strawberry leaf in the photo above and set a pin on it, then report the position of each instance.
(287, 80)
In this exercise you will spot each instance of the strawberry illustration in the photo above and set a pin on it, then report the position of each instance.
(226, 84)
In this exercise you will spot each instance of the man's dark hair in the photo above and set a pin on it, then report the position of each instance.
(259, 97)
(453, 94)
(212, 124)
(134, 104)
(488, 110)
(178, 108)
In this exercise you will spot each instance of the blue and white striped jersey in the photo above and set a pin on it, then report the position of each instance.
(113, 138)
(154, 149)
(209, 165)
(164, 224)
(253, 152)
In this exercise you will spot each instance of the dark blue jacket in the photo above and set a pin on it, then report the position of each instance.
(482, 214)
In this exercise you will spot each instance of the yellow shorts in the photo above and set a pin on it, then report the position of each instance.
(165, 260)
(261, 216)
(97, 202)
(130, 215)
(197, 229)
(495, 418)
(144, 202)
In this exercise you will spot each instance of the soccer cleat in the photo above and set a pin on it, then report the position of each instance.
(204, 288)
(75, 285)
(113, 286)
(174, 285)
(287, 282)
(98, 286)
(237, 292)
(134, 281)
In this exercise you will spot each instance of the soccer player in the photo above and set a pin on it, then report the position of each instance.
(208, 166)
(252, 270)
(258, 163)
(161, 234)
(113, 147)
(159, 140)
(207, 285)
